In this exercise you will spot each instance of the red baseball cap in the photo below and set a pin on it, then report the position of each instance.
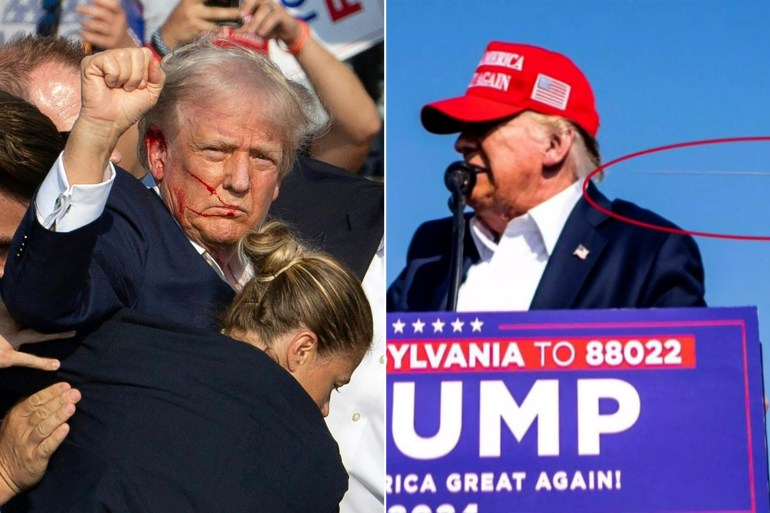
(512, 78)
(229, 38)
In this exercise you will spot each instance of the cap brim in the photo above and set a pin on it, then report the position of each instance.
(449, 116)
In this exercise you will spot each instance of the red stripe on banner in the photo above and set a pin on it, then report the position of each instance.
(748, 418)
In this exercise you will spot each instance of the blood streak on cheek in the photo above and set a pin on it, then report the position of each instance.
(209, 188)
(229, 213)
(201, 213)
(213, 192)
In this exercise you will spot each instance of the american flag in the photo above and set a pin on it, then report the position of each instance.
(581, 252)
(551, 91)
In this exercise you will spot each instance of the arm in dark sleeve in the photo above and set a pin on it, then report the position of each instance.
(57, 281)
(676, 277)
(422, 285)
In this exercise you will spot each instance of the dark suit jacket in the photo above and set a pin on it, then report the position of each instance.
(181, 419)
(334, 210)
(627, 266)
(134, 256)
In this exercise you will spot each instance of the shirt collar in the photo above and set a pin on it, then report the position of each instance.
(551, 215)
(547, 218)
(243, 267)
(149, 181)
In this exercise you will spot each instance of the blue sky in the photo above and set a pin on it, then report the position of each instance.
(663, 72)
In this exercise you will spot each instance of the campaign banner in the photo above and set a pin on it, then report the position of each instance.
(593, 411)
(344, 27)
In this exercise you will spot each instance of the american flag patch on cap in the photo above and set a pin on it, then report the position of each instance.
(551, 91)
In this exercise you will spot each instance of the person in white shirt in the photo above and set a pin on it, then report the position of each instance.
(357, 420)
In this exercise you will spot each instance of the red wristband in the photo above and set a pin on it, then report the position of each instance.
(299, 43)
(155, 53)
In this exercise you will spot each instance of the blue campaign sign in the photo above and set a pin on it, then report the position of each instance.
(600, 411)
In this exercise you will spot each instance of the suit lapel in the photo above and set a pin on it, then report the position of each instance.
(578, 249)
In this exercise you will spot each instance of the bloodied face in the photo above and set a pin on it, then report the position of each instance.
(218, 170)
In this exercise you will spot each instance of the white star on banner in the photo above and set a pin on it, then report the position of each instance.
(457, 325)
(477, 324)
(438, 326)
(418, 325)
(398, 326)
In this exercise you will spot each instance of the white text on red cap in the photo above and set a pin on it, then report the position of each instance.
(500, 81)
(504, 59)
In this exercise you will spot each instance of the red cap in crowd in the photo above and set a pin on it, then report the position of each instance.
(228, 37)
(512, 78)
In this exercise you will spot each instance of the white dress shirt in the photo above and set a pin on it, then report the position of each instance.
(507, 275)
(357, 414)
(62, 208)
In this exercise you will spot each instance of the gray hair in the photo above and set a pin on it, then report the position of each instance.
(585, 149)
(197, 72)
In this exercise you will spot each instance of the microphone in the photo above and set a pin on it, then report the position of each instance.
(460, 177)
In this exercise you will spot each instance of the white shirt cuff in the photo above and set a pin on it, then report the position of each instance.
(62, 208)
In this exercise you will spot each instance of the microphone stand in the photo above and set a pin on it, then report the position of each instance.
(460, 177)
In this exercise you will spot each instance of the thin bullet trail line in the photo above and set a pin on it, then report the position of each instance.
(700, 173)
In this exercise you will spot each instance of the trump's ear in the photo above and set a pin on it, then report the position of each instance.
(157, 152)
(301, 349)
(559, 144)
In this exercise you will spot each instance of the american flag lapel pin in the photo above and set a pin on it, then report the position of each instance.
(581, 252)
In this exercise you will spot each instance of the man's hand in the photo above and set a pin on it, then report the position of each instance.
(269, 20)
(118, 87)
(29, 435)
(105, 24)
(190, 19)
(12, 336)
